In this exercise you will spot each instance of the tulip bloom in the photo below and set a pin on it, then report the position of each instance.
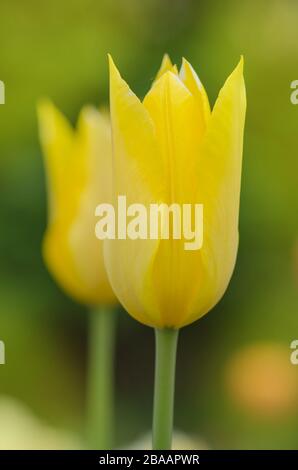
(170, 148)
(78, 167)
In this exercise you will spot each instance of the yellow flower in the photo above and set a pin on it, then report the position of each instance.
(78, 169)
(170, 148)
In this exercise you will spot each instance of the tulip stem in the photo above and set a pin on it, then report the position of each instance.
(100, 392)
(164, 388)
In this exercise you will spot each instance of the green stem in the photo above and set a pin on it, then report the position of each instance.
(164, 388)
(100, 398)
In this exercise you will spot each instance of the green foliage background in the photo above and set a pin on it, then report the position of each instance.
(59, 49)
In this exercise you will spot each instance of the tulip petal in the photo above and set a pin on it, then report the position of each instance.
(138, 175)
(219, 191)
(174, 112)
(70, 243)
(141, 154)
(194, 85)
(57, 140)
(166, 66)
(94, 161)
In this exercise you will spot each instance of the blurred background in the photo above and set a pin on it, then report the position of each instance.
(236, 387)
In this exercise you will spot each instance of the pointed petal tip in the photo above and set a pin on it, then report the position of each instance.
(43, 106)
(174, 69)
(116, 80)
(184, 62)
(166, 60)
(46, 115)
(114, 72)
(184, 65)
(237, 72)
(240, 64)
(110, 58)
(111, 62)
(171, 79)
(169, 75)
(166, 64)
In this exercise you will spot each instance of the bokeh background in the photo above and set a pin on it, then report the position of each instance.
(236, 387)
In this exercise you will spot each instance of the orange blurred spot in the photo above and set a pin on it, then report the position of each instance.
(262, 380)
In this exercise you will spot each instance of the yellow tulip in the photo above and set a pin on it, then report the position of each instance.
(171, 148)
(78, 169)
